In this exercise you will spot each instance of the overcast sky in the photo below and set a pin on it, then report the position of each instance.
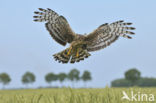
(27, 46)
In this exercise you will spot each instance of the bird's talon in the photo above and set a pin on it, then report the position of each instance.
(68, 53)
(77, 54)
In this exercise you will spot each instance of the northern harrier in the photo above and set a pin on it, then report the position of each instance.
(80, 45)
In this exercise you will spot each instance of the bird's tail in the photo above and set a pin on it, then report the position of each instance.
(62, 56)
(79, 55)
(71, 55)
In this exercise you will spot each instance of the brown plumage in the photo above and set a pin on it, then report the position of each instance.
(80, 45)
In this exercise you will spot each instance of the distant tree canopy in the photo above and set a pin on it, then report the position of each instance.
(121, 83)
(132, 75)
(50, 77)
(28, 78)
(86, 76)
(74, 75)
(62, 77)
(147, 82)
(4, 78)
(133, 78)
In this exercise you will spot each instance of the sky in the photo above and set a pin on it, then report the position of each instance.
(27, 46)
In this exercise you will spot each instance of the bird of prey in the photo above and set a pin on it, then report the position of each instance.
(80, 45)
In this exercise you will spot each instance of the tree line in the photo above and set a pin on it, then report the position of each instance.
(133, 78)
(29, 77)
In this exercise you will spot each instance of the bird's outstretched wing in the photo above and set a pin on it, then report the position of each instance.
(106, 34)
(57, 25)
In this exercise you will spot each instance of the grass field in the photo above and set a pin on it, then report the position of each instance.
(67, 95)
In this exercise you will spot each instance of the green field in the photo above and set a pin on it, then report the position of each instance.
(67, 95)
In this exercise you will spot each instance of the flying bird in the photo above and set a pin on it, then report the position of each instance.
(80, 45)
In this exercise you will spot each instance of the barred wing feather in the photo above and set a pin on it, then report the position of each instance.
(57, 25)
(106, 34)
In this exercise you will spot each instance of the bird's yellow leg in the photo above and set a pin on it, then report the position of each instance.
(77, 53)
(69, 51)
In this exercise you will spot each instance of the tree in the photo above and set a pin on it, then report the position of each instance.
(74, 76)
(50, 77)
(86, 77)
(121, 83)
(133, 75)
(4, 79)
(28, 78)
(146, 82)
(62, 77)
